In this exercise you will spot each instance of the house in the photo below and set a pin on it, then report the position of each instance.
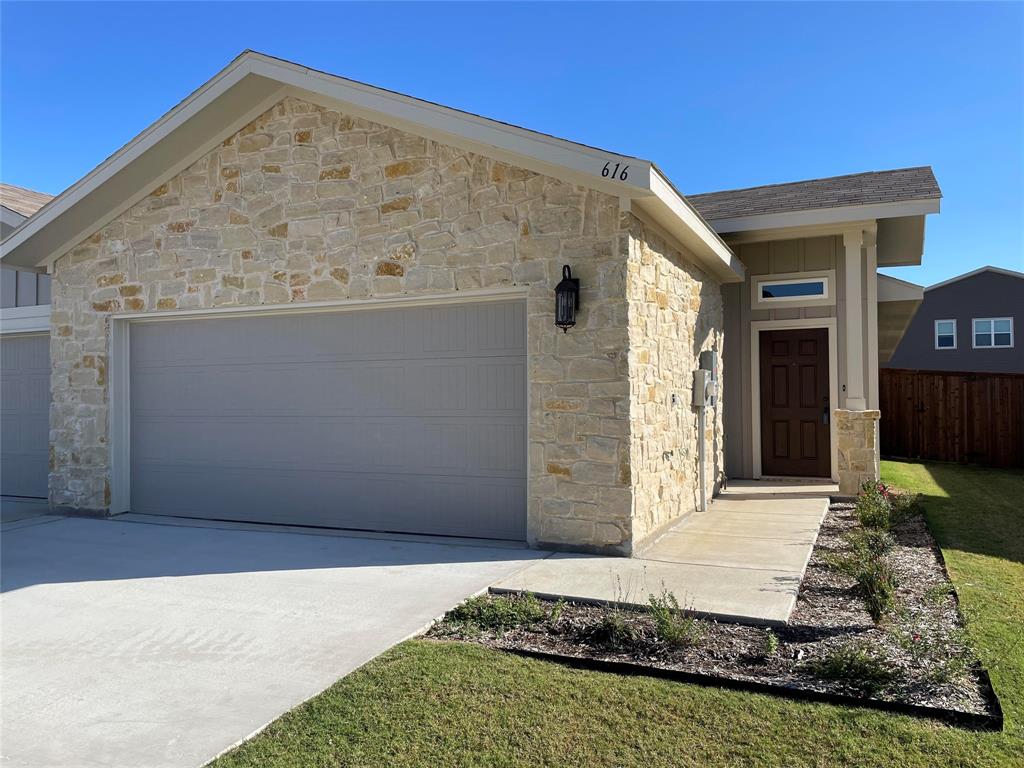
(967, 323)
(24, 359)
(300, 299)
(21, 288)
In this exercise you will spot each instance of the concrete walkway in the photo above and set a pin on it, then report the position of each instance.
(130, 644)
(741, 560)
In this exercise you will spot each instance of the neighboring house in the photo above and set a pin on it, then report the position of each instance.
(967, 323)
(23, 287)
(24, 359)
(300, 299)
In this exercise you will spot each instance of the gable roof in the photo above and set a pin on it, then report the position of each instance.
(22, 201)
(895, 186)
(254, 82)
(973, 272)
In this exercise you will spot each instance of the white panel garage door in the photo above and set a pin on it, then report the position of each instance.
(399, 419)
(25, 417)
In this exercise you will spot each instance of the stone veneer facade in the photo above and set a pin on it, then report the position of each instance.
(858, 448)
(308, 204)
(675, 313)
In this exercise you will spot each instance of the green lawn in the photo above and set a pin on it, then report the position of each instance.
(431, 704)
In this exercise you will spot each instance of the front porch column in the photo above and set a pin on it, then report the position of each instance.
(853, 240)
(856, 426)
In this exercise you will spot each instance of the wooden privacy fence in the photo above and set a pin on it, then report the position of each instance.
(950, 416)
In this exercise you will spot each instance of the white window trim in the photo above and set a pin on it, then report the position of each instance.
(935, 336)
(992, 333)
(825, 277)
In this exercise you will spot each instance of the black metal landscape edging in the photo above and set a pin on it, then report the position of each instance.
(986, 722)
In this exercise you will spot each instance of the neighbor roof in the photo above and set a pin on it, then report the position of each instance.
(22, 201)
(873, 187)
(254, 82)
(973, 272)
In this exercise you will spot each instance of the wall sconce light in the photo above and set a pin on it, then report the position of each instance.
(567, 300)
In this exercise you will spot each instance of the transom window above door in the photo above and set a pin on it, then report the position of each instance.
(993, 332)
(803, 289)
(945, 334)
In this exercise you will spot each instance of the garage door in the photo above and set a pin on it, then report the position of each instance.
(25, 417)
(401, 419)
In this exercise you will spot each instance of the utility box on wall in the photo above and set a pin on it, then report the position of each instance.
(705, 380)
(703, 388)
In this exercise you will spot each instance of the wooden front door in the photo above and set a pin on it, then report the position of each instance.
(795, 408)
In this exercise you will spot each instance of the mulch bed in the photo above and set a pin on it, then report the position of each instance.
(926, 665)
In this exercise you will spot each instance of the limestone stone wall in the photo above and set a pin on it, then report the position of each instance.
(307, 204)
(858, 448)
(675, 312)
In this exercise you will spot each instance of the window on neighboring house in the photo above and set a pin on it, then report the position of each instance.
(945, 334)
(993, 332)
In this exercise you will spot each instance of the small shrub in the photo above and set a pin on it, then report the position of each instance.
(613, 631)
(672, 626)
(847, 563)
(556, 610)
(942, 656)
(499, 613)
(902, 506)
(874, 510)
(771, 644)
(869, 543)
(876, 583)
(855, 665)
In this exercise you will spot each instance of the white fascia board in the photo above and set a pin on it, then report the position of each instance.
(973, 272)
(25, 319)
(11, 218)
(894, 289)
(671, 211)
(821, 216)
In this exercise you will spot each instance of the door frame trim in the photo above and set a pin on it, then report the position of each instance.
(120, 362)
(756, 326)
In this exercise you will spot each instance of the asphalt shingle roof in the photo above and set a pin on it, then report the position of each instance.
(834, 192)
(21, 200)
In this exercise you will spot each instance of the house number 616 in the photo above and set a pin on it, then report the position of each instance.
(615, 173)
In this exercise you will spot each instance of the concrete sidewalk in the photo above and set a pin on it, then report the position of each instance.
(741, 560)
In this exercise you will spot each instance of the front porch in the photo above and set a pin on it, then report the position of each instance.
(741, 560)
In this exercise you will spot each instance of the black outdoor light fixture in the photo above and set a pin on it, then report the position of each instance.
(567, 300)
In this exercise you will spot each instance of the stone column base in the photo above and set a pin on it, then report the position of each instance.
(858, 452)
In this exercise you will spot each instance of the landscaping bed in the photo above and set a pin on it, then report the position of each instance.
(876, 621)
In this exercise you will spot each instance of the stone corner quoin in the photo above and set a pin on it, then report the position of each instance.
(307, 204)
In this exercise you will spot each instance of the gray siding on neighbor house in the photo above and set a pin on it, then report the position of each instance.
(23, 288)
(986, 294)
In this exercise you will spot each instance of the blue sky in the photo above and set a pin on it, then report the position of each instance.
(719, 95)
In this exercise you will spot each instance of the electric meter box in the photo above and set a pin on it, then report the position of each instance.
(707, 374)
(703, 388)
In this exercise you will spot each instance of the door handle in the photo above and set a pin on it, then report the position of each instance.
(824, 413)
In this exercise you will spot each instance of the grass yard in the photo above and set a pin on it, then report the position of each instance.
(433, 704)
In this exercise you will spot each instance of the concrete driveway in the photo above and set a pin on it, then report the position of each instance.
(129, 643)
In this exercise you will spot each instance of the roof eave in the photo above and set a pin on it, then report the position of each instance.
(670, 210)
(821, 216)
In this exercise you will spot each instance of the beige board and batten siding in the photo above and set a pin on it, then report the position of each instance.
(784, 257)
(307, 204)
